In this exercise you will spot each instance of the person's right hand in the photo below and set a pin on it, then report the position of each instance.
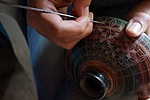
(65, 33)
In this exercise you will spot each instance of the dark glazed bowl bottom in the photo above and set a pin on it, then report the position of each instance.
(93, 85)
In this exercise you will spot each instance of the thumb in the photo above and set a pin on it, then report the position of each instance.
(138, 24)
(81, 7)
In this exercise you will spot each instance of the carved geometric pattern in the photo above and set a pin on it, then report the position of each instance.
(126, 59)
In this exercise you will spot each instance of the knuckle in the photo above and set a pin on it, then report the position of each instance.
(59, 33)
(68, 0)
(80, 30)
(145, 17)
(68, 46)
(67, 41)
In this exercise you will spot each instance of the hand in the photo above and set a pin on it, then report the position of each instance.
(139, 19)
(65, 33)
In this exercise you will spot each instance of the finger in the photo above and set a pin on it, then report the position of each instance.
(81, 7)
(89, 27)
(87, 31)
(66, 28)
(34, 17)
(61, 3)
(138, 24)
(68, 43)
(75, 28)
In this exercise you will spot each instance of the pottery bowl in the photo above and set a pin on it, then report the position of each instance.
(110, 65)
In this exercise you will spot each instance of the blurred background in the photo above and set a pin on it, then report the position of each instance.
(15, 81)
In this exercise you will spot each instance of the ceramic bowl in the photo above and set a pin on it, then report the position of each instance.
(110, 65)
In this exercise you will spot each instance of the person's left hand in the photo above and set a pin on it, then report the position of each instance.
(139, 19)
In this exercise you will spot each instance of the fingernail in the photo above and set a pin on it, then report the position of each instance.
(134, 27)
(91, 16)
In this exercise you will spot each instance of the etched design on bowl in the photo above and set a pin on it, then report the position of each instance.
(124, 62)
